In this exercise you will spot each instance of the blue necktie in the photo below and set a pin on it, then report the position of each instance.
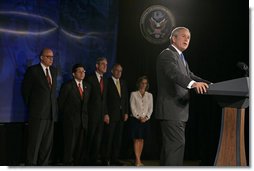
(182, 58)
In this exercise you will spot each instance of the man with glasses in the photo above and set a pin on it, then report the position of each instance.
(72, 103)
(39, 93)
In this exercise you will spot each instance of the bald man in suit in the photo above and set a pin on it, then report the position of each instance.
(118, 105)
(39, 93)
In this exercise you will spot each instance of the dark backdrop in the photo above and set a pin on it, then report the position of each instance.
(219, 39)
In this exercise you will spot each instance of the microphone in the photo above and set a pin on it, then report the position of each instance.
(243, 67)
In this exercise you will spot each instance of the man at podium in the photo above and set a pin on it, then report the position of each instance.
(174, 80)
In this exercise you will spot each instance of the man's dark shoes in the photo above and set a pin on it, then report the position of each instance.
(105, 163)
(116, 163)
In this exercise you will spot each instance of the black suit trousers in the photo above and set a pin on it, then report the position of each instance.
(95, 133)
(40, 141)
(112, 139)
(74, 144)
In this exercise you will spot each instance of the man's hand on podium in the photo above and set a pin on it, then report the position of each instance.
(200, 87)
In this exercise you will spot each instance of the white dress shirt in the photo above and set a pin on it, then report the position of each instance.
(44, 70)
(141, 106)
(98, 76)
(79, 82)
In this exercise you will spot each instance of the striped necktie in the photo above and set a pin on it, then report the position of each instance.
(48, 78)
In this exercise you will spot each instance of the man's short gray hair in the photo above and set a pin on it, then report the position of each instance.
(175, 32)
(99, 59)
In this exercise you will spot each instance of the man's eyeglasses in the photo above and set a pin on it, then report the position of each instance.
(81, 72)
(50, 57)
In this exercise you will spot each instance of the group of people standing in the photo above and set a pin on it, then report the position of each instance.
(95, 108)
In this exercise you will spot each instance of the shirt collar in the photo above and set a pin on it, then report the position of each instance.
(78, 82)
(114, 79)
(178, 51)
(140, 93)
(44, 67)
(98, 75)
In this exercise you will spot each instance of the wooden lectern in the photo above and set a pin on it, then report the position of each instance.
(233, 97)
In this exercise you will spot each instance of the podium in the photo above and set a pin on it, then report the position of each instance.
(233, 97)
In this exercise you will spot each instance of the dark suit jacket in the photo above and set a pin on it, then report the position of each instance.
(40, 99)
(117, 106)
(72, 106)
(172, 79)
(97, 105)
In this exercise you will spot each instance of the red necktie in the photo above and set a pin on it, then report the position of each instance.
(80, 90)
(101, 84)
(48, 78)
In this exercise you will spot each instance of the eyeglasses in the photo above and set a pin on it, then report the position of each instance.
(81, 72)
(50, 57)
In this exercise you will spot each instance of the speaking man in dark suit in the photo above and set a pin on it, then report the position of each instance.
(39, 93)
(97, 110)
(117, 103)
(174, 80)
(72, 101)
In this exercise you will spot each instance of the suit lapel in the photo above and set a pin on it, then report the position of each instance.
(121, 85)
(181, 64)
(97, 82)
(104, 86)
(75, 90)
(53, 76)
(42, 75)
(182, 67)
(84, 90)
(115, 88)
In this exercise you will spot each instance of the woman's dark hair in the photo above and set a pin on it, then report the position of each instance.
(140, 79)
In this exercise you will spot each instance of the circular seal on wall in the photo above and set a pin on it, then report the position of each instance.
(156, 23)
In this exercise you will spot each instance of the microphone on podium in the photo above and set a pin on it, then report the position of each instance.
(243, 67)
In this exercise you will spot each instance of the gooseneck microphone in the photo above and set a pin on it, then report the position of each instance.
(243, 67)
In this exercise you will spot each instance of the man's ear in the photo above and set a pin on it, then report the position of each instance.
(173, 39)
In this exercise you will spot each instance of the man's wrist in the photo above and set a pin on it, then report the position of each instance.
(191, 84)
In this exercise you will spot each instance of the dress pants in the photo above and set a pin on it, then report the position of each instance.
(173, 142)
(40, 141)
(95, 131)
(74, 144)
(112, 140)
